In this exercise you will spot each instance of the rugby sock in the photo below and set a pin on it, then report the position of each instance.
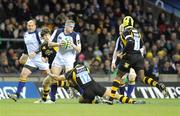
(150, 81)
(45, 94)
(130, 89)
(21, 84)
(122, 90)
(64, 84)
(114, 88)
(53, 91)
(124, 99)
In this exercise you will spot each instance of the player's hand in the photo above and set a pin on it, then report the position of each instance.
(45, 59)
(53, 76)
(32, 55)
(62, 43)
(120, 55)
(113, 66)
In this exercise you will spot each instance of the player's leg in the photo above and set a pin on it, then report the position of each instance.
(117, 82)
(28, 68)
(68, 67)
(44, 67)
(83, 100)
(55, 84)
(151, 82)
(139, 68)
(131, 82)
(123, 67)
(122, 87)
(121, 98)
(23, 78)
(88, 95)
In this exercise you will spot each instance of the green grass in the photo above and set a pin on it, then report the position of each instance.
(25, 107)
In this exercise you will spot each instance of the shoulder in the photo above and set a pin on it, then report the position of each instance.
(26, 33)
(74, 34)
(127, 31)
(59, 30)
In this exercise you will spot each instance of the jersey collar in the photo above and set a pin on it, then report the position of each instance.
(32, 32)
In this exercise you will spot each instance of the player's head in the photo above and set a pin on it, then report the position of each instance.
(69, 26)
(121, 28)
(128, 21)
(31, 25)
(45, 33)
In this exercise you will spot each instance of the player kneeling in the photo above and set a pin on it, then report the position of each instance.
(81, 79)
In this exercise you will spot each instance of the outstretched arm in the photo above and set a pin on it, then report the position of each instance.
(57, 77)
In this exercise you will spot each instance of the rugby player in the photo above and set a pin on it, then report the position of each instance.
(82, 80)
(69, 45)
(128, 78)
(132, 58)
(32, 60)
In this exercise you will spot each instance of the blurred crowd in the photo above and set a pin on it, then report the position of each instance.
(97, 21)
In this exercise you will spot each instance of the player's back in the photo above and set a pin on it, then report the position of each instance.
(80, 76)
(135, 35)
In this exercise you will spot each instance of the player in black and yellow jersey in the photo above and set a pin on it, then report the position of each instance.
(82, 80)
(132, 58)
(48, 54)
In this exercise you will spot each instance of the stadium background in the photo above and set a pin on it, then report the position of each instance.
(97, 22)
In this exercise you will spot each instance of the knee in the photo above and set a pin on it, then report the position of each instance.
(132, 77)
(23, 76)
(46, 82)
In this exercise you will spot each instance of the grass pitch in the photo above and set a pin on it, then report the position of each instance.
(71, 107)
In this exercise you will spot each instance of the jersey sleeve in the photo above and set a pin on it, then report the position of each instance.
(119, 46)
(69, 75)
(78, 41)
(53, 35)
(25, 47)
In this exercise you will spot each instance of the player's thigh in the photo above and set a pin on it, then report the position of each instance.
(85, 100)
(25, 73)
(44, 66)
(67, 68)
(56, 71)
(47, 81)
(132, 75)
(123, 68)
(98, 89)
(89, 93)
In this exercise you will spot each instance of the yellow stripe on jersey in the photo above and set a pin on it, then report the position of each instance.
(88, 70)
(123, 40)
(74, 77)
(56, 48)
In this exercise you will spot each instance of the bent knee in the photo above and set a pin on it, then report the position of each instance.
(132, 77)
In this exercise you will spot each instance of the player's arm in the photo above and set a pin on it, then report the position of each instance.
(143, 48)
(57, 77)
(130, 42)
(53, 44)
(40, 47)
(113, 64)
(78, 42)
